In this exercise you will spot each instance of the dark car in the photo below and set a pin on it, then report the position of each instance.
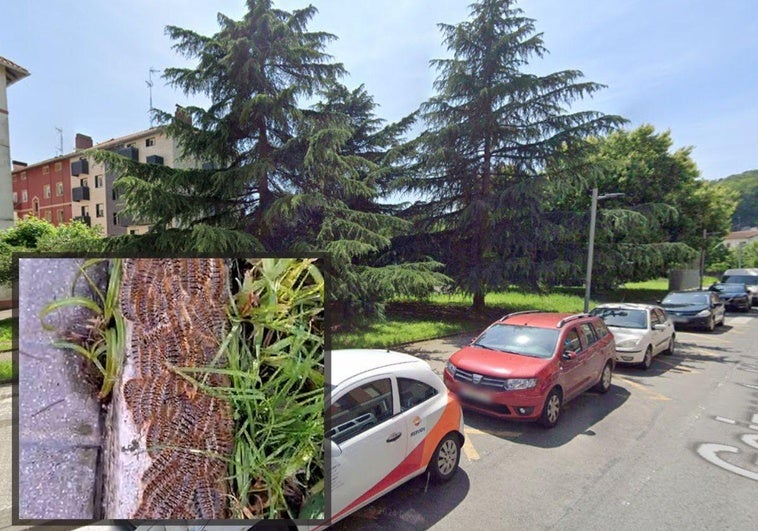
(734, 296)
(701, 309)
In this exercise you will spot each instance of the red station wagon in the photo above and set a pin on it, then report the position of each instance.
(526, 365)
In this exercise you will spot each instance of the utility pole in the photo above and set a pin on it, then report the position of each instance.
(149, 83)
(591, 246)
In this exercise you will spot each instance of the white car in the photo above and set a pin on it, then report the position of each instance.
(642, 331)
(389, 419)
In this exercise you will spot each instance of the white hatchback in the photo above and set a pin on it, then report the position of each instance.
(389, 419)
(642, 331)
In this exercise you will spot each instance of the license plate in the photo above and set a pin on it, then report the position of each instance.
(473, 394)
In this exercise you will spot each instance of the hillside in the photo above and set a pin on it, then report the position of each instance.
(746, 184)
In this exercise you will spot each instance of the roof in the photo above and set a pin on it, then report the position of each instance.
(100, 145)
(13, 72)
(742, 234)
(350, 362)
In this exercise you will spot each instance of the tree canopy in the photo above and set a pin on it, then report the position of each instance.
(492, 129)
(746, 185)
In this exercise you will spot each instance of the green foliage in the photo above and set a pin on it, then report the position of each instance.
(6, 335)
(746, 186)
(492, 129)
(26, 232)
(6, 371)
(72, 237)
(723, 258)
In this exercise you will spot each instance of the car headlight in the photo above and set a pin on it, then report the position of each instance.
(704, 313)
(514, 384)
(628, 343)
(450, 368)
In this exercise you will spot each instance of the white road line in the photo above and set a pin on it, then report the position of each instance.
(726, 420)
(739, 320)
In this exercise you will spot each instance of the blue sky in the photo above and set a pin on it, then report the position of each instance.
(688, 66)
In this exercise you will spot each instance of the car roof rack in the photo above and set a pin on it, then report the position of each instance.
(571, 318)
(507, 315)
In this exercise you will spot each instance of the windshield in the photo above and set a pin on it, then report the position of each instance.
(524, 340)
(742, 279)
(622, 318)
(729, 288)
(693, 297)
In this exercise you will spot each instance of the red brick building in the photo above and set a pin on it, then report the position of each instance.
(43, 190)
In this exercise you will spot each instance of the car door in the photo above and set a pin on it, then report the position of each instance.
(571, 369)
(660, 338)
(370, 442)
(593, 358)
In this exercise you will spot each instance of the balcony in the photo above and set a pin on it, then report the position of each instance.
(79, 167)
(130, 152)
(84, 219)
(80, 193)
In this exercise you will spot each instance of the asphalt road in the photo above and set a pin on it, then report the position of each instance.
(675, 447)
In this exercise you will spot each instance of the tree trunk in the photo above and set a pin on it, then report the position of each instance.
(478, 305)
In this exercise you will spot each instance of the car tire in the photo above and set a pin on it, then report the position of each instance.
(551, 411)
(647, 361)
(604, 385)
(445, 459)
(670, 349)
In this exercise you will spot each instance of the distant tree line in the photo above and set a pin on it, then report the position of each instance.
(495, 185)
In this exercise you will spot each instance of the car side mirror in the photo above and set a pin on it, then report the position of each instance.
(334, 448)
(569, 355)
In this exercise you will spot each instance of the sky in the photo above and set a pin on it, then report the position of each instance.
(686, 66)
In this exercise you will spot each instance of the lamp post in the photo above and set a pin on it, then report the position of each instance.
(591, 249)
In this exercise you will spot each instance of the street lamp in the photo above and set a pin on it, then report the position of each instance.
(593, 215)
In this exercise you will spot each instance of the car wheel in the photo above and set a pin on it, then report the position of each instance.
(711, 324)
(552, 409)
(670, 349)
(647, 361)
(604, 385)
(445, 458)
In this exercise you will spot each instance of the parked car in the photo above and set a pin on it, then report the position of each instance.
(734, 296)
(641, 331)
(526, 365)
(702, 309)
(747, 276)
(389, 419)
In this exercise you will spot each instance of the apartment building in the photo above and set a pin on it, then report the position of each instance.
(75, 187)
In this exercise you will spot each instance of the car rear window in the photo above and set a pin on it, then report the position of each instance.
(622, 317)
(742, 279)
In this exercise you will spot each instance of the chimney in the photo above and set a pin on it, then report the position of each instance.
(18, 165)
(181, 114)
(83, 141)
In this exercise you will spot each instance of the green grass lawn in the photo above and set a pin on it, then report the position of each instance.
(442, 314)
(5, 335)
(6, 371)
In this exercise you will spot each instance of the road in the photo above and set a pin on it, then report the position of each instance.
(675, 447)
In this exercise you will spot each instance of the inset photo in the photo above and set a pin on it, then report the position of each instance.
(170, 388)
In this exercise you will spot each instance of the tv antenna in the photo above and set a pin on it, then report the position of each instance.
(149, 83)
(60, 139)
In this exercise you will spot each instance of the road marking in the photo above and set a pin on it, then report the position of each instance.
(710, 451)
(653, 394)
(497, 433)
(740, 320)
(726, 420)
(469, 450)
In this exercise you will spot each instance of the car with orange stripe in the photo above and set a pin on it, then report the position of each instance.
(389, 419)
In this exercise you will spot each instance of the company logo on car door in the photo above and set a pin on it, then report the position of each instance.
(417, 423)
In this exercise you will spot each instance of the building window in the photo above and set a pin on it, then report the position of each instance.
(115, 218)
(58, 166)
(60, 215)
(23, 175)
(46, 191)
(114, 194)
(83, 182)
(35, 207)
(98, 181)
(150, 142)
(85, 211)
(59, 188)
(99, 211)
(45, 170)
(132, 231)
(49, 216)
(24, 196)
